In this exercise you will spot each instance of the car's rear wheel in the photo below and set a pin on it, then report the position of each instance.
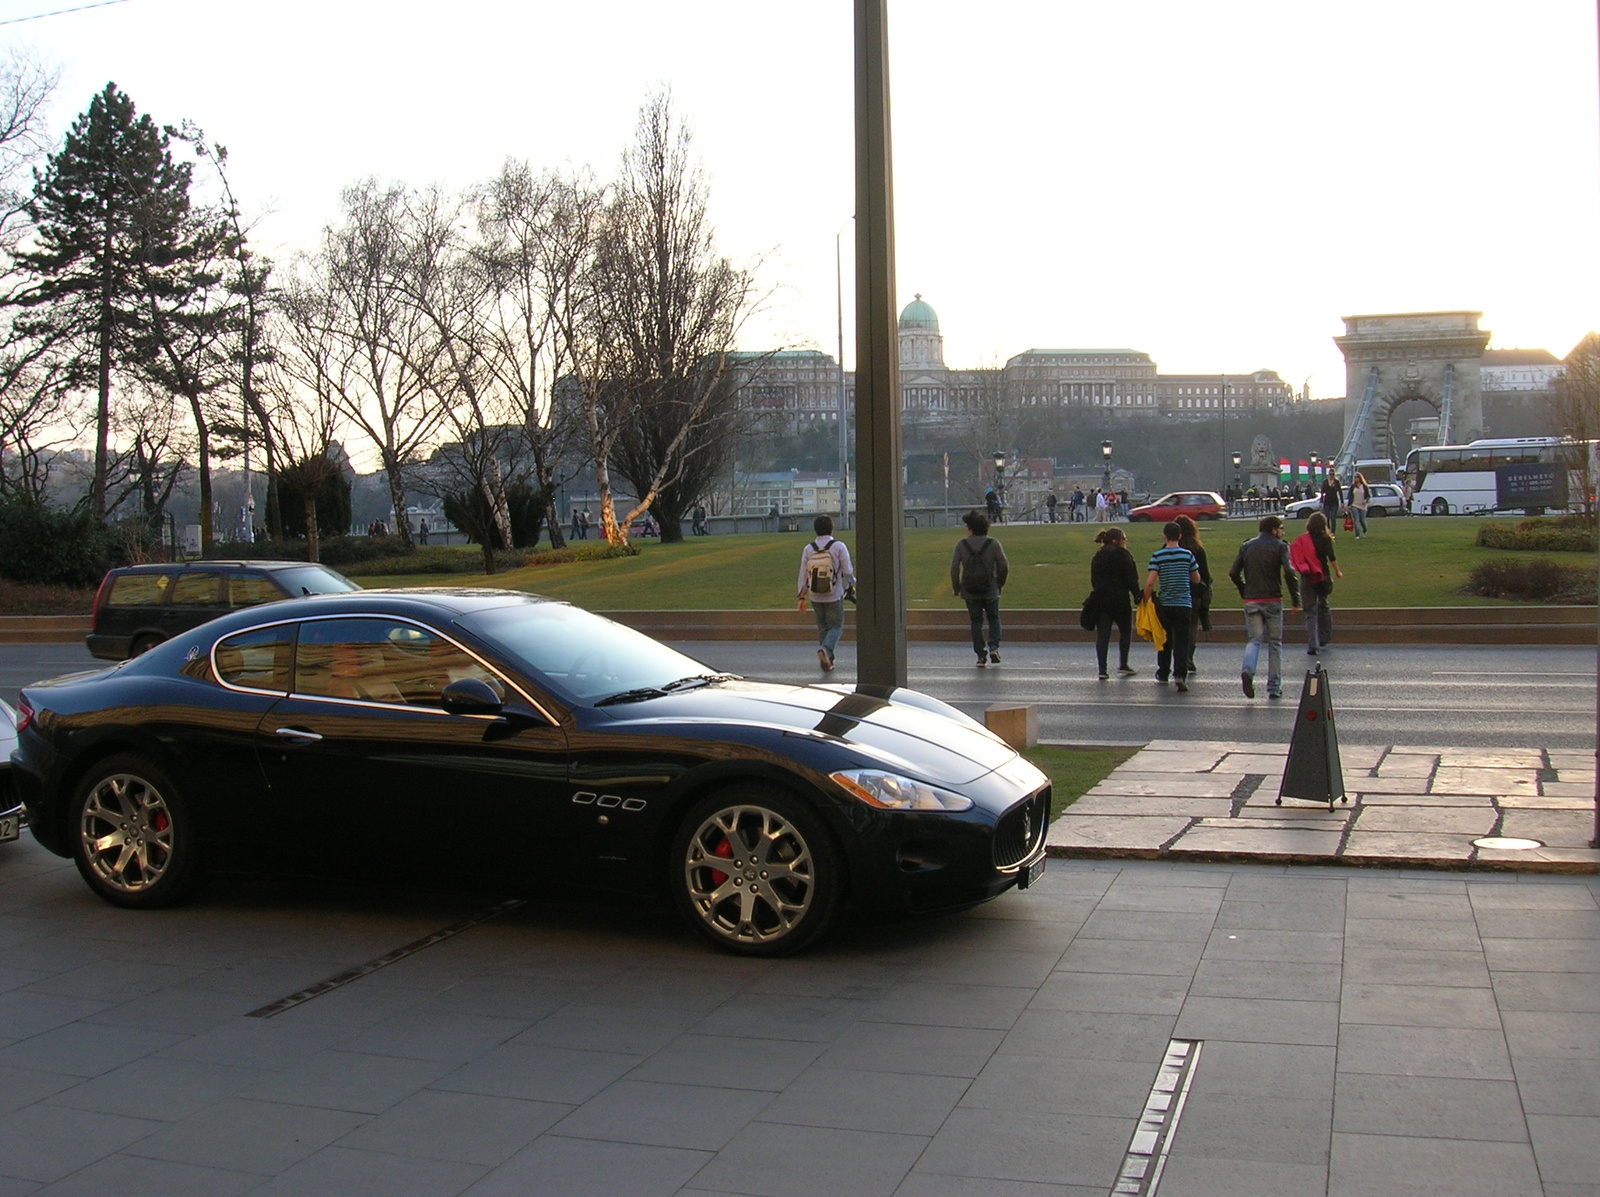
(132, 836)
(1378, 512)
(756, 872)
(142, 645)
(1441, 507)
(1304, 513)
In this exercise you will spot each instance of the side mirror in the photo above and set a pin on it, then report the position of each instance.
(472, 696)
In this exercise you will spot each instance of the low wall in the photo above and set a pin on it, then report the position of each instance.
(1356, 625)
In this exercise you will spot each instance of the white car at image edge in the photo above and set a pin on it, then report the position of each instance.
(10, 804)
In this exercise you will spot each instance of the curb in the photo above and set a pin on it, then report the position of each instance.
(1557, 867)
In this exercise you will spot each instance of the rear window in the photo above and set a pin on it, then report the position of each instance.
(256, 660)
(138, 590)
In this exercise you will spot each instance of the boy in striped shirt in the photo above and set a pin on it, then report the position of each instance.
(1173, 570)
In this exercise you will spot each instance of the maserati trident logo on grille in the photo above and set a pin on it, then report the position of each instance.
(1027, 827)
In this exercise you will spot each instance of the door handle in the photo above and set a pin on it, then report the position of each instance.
(298, 734)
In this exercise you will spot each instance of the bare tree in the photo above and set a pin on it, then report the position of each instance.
(662, 314)
(358, 343)
(1575, 403)
(536, 241)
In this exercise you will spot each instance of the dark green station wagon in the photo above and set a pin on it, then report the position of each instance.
(139, 606)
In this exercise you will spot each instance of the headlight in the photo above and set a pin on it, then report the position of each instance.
(889, 791)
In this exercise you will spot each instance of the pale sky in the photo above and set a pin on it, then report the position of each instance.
(1216, 184)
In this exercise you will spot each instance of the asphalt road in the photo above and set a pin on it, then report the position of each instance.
(1514, 697)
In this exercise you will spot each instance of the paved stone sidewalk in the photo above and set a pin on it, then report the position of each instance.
(1358, 1032)
(1407, 806)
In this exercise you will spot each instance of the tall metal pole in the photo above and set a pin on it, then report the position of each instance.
(844, 411)
(1595, 842)
(881, 611)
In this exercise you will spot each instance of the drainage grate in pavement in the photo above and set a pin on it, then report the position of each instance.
(1147, 1154)
(1245, 790)
(272, 1009)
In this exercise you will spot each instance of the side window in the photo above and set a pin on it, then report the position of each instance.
(379, 660)
(257, 660)
(247, 590)
(138, 590)
(197, 590)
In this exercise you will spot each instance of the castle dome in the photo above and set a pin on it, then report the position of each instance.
(918, 315)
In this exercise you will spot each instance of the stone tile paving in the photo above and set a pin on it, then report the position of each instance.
(1362, 1031)
(1406, 806)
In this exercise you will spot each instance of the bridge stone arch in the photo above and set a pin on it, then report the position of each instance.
(1436, 357)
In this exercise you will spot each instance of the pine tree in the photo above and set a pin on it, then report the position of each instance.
(111, 212)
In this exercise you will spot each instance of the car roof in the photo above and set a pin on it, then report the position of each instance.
(431, 602)
(145, 567)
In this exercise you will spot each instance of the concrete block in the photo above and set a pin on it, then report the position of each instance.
(1016, 724)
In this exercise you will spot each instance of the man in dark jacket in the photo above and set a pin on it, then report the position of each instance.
(1257, 571)
(978, 570)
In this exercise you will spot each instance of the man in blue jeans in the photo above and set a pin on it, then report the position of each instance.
(978, 570)
(1173, 575)
(825, 577)
(1257, 570)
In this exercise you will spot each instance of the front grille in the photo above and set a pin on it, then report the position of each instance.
(1021, 830)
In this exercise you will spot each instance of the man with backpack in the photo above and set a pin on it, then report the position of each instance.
(825, 579)
(978, 570)
(1260, 570)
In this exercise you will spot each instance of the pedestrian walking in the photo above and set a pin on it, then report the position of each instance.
(825, 578)
(1330, 497)
(1075, 512)
(577, 525)
(422, 532)
(1113, 584)
(583, 524)
(978, 570)
(1099, 506)
(1050, 506)
(1358, 499)
(1313, 558)
(1200, 594)
(1260, 570)
(699, 518)
(1171, 578)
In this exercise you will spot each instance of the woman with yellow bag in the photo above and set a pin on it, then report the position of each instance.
(1173, 575)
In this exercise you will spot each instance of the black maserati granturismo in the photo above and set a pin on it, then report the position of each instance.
(498, 739)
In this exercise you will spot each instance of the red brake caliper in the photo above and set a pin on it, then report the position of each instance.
(725, 850)
(161, 820)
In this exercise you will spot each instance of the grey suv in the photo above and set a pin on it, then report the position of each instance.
(139, 606)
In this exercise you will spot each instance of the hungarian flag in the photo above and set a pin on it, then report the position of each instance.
(1303, 471)
(1283, 469)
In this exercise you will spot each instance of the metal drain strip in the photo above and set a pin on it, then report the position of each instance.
(272, 1009)
(1147, 1154)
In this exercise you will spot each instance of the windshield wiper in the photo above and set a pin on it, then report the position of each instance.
(639, 695)
(699, 679)
(642, 693)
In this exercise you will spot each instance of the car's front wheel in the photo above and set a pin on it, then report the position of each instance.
(132, 837)
(756, 872)
(1441, 507)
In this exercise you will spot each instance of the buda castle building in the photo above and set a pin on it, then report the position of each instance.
(803, 386)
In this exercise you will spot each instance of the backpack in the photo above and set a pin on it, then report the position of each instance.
(976, 577)
(820, 568)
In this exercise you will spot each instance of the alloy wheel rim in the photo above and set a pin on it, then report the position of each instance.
(749, 874)
(126, 831)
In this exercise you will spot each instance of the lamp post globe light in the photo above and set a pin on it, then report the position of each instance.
(1237, 483)
(1105, 455)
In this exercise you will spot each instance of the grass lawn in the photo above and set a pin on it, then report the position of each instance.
(1075, 771)
(1404, 562)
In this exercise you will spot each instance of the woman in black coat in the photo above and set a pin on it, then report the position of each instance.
(1113, 582)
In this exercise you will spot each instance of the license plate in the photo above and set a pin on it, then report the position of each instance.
(9, 829)
(1032, 873)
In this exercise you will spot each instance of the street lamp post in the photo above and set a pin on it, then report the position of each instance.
(1238, 484)
(999, 482)
(1105, 456)
(1316, 483)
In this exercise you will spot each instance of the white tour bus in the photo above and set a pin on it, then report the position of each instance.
(1533, 474)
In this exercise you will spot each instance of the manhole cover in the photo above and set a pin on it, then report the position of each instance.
(1506, 843)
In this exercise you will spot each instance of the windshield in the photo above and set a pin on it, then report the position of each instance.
(313, 579)
(581, 656)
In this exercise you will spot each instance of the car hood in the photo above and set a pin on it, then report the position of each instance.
(903, 730)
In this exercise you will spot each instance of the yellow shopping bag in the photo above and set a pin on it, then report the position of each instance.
(1148, 624)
